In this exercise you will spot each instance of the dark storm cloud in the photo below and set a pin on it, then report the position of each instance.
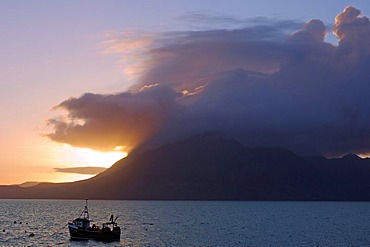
(187, 59)
(265, 85)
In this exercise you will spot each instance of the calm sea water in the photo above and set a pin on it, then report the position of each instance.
(191, 223)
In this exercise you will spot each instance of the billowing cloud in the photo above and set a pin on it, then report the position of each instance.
(105, 122)
(267, 85)
(312, 31)
(89, 170)
(353, 31)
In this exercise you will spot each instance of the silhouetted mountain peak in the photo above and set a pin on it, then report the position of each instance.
(351, 157)
(215, 144)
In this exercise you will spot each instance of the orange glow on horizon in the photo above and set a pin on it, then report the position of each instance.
(68, 157)
(82, 157)
(38, 161)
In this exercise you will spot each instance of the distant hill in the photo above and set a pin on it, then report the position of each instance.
(213, 166)
(29, 184)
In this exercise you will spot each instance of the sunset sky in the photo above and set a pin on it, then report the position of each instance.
(84, 82)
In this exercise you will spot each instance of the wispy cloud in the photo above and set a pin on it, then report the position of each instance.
(89, 170)
(202, 20)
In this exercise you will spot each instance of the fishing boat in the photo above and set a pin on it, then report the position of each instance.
(80, 228)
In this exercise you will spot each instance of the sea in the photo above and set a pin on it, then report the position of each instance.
(190, 223)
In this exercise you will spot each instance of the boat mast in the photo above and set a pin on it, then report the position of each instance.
(85, 212)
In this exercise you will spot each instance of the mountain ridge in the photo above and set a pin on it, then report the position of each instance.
(213, 166)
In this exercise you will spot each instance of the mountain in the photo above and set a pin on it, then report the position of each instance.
(213, 166)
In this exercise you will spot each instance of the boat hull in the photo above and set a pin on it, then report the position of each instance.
(105, 235)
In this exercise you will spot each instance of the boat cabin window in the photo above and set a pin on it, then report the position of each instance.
(82, 223)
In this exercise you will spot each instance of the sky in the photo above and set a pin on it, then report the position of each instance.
(83, 83)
